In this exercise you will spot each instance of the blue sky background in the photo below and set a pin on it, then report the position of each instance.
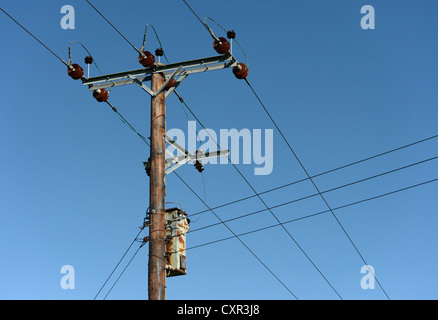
(74, 192)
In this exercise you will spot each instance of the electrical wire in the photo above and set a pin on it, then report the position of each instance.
(314, 184)
(35, 38)
(128, 124)
(320, 212)
(158, 38)
(312, 195)
(203, 203)
(118, 263)
(323, 192)
(203, 23)
(267, 207)
(322, 173)
(123, 271)
(238, 238)
(117, 30)
(94, 61)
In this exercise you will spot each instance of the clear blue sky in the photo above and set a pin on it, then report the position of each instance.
(73, 190)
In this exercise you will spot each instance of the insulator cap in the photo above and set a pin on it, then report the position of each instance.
(231, 34)
(241, 71)
(222, 46)
(148, 60)
(101, 95)
(75, 72)
(88, 59)
(159, 52)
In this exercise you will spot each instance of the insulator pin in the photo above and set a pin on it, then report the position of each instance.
(101, 95)
(222, 46)
(241, 71)
(148, 60)
(198, 166)
(75, 71)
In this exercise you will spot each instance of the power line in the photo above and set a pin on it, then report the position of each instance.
(117, 30)
(238, 238)
(125, 122)
(311, 180)
(202, 22)
(325, 191)
(267, 207)
(118, 263)
(123, 271)
(320, 212)
(48, 49)
(322, 173)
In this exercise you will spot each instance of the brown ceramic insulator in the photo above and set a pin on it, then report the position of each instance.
(222, 46)
(101, 95)
(241, 71)
(76, 72)
(148, 60)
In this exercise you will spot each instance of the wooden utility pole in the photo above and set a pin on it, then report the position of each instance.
(157, 194)
(157, 167)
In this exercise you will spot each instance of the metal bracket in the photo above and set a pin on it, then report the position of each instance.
(174, 162)
(141, 85)
(177, 83)
(148, 90)
(181, 69)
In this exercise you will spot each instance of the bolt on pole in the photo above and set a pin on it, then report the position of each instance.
(157, 194)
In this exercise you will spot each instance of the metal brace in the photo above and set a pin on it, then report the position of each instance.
(174, 162)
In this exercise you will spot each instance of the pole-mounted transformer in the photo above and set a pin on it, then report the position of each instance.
(177, 225)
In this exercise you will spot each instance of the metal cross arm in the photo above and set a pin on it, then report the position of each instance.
(177, 69)
(174, 162)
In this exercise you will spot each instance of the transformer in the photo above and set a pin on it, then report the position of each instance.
(177, 226)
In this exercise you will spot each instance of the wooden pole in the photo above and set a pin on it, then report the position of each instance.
(157, 195)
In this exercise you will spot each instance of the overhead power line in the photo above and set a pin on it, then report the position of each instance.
(118, 263)
(323, 192)
(321, 174)
(39, 41)
(123, 271)
(321, 212)
(238, 238)
(314, 184)
(117, 30)
(264, 203)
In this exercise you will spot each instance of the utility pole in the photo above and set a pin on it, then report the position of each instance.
(157, 194)
(164, 80)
